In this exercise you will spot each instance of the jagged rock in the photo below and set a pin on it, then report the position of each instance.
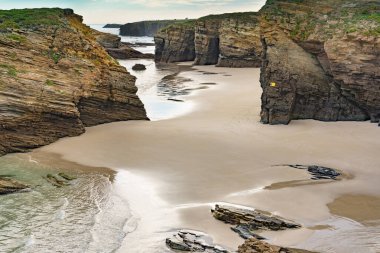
(117, 49)
(318, 172)
(146, 28)
(8, 185)
(55, 181)
(67, 177)
(125, 52)
(321, 61)
(55, 79)
(247, 222)
(175, 43)
(139, 67)
(256, 246)
(194, 242)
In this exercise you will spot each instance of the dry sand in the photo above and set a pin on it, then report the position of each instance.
(172, 171)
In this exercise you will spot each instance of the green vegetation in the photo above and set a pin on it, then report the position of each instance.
(30, 17)
(49, 82)
(11, 70)
(55, 56)
(241, 16)
(16, 37)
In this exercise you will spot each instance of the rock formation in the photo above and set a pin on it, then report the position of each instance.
(117, 49)
(321, 60)
(146, 28)
(8, 185)
(228, 40)
(248, 222)
(257, 246)
(55, 79)
(175, 43)
(112, 26)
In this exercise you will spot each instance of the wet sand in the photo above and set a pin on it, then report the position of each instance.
(172, 171)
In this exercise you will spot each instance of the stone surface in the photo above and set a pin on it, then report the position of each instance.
(193, 241)
(321, 61)
(8, 185)
(56, 79)
(117, 49)
(318, 172)
(227, 40)
(257, 246)
(139, 67)
(175, 44)
(248, 222)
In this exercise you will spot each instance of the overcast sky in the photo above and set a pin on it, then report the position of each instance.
(123, 11)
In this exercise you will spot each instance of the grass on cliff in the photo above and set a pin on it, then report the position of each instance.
(242, 16)
(11, 70)
(17, 18)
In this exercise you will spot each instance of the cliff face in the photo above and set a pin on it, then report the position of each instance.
(239, 43)
(321, 61)
(145, 28)
(175, 44)
(55, 79)
(207, 41)
(227, 40)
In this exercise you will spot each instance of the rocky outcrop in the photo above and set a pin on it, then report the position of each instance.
(112, 26)
(248, 222)
(239, 41)
(321, 61)
(175, 43)
(56, 79)
(193, 241)
(207, 41)
(257, 246)
(228, 40)
(117, 49)
(146, 28)
(8, 185)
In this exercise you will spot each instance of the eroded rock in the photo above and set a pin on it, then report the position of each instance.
(193, 241)
(139, 67)
(256, 246)
(8, 185)
(248, 222)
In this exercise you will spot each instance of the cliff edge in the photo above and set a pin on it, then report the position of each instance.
(55, 79)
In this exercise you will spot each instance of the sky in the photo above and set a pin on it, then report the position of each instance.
(124, 11)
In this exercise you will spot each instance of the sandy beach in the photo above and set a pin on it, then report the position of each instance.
(173, 171)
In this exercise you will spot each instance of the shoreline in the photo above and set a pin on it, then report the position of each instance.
(221, 139)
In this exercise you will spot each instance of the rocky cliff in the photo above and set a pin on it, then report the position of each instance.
(146, 28)
(117, 49)
(321, 60)
(55, 79)
(175, 43)
(227, 40)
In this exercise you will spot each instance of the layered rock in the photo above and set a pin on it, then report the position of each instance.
(56, 79)
(8, 185)
(146, 28)
(239, 42)
(175, 43)
(257, 246)
(207, 41)
(227, 40)
(117, 49)
(321, 61)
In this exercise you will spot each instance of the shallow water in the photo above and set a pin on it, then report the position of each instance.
(69, 219)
